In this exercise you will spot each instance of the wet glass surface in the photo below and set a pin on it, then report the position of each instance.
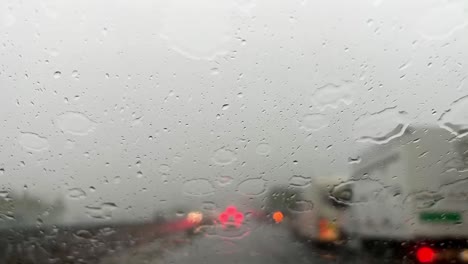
(233, 131)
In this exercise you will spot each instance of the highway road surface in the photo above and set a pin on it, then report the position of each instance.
(253, 243)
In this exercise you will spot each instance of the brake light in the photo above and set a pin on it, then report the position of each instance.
(231, 214)
(425, 254)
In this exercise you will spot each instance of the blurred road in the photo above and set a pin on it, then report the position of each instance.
(249, 244)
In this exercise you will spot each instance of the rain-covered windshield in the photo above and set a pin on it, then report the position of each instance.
(233, 131)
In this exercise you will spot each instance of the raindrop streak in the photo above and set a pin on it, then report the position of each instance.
(299, 181)
(252, 187)
(198, 187)
(75, 123)
(224, 156)
(314, 122)
(455, 119)
(404, 66)
(263, 149)
(382, 126)
(33, 142)
(331, 95)
(76, 193)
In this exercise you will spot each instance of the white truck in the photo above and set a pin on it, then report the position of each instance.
(409, 197)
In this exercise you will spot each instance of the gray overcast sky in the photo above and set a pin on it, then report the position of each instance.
(213, 100)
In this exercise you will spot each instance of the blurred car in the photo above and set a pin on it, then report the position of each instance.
(316, 217)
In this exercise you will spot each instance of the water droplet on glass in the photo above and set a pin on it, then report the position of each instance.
(85, 234)
(75, 123)
(299, 181)
(57, 74)
(331, 95)
(33, 142)
(252, 187)
(103, 211)
(455, 119)
(69, 144)
(164, 168)
(76, 193)
(381, 127)
(314, 122)
(209, 206)
(117, 179)
(224, 181)
(301, 206)
(225, 107)
(139, 174)
(425, 199)
(198, 187)
(75, 74)
(109, 206)
(404, 66)
(177, 159)
(263, 149)
(214, 71)
(224, 156)
(354, 160)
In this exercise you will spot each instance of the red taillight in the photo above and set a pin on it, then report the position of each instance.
(223, 218)
(425, 255)
(231, 214)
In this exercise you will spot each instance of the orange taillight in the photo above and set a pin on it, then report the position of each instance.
(278, 217)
